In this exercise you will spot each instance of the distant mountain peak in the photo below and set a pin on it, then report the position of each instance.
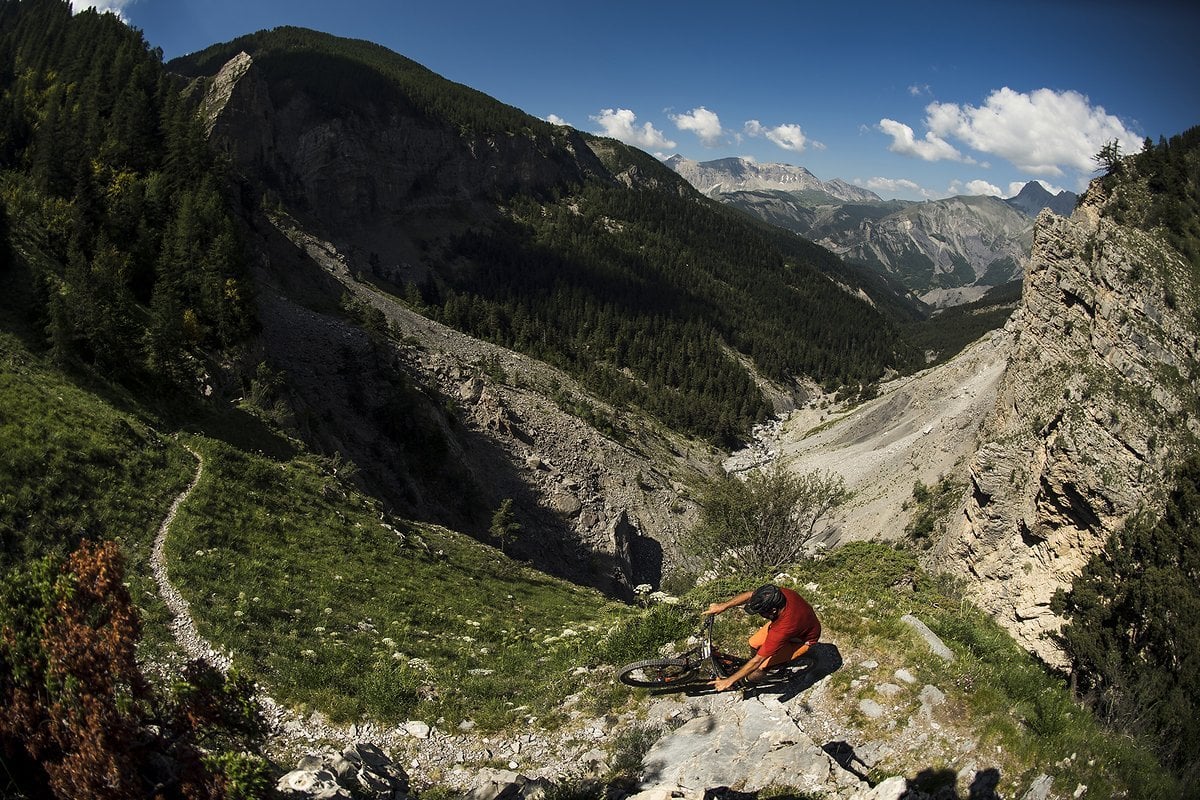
(1033, 197)
(734, 174)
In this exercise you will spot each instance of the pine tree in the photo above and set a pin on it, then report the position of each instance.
(1133, 631)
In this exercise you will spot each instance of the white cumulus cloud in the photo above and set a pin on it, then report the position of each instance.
(115, 6)
(555, 119)
(975, 187)
(894, 186)
(1041, 132)
(620, 124)
(788, 136)
(931, 148)
(702, 122)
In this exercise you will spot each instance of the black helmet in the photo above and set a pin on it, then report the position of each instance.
(766, 600)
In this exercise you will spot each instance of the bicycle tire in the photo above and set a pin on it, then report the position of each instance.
(656, 673)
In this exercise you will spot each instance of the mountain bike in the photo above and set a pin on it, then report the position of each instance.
(701, 664)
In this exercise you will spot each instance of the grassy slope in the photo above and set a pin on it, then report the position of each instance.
(335, 609)
(332, 608)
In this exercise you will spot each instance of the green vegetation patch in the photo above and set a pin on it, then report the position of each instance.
(334, 610)
(72, 467)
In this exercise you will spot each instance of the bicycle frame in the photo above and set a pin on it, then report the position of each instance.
(686, 668)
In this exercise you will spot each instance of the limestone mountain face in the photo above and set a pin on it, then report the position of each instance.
(375, 176)
(1091, 414)
(738, 174)
(940, 244)
(949, 251)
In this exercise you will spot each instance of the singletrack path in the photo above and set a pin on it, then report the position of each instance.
(292, 734)
(182, 625)
(283, 723)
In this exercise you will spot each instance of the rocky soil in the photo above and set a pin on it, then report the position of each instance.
(919, 428)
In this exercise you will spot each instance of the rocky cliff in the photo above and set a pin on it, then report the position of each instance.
(1096, 404)
(738, 174)
(933, 246)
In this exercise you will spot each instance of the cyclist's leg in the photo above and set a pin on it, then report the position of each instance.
(759, 638)
(787, 655)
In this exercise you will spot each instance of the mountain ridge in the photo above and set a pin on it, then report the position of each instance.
(947, 251)
(737, 174)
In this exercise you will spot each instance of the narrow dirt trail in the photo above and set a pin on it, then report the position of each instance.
(283, 723)
(183, 627)
(292, 734)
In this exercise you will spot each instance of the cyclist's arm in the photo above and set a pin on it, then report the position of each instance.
(721, 684)
(717, 608)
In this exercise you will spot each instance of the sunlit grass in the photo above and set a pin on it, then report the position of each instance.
(336, 609)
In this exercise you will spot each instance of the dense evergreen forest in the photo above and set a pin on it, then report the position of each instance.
(612, 267)
(667, 297)
(1168, 175)
(124, 257)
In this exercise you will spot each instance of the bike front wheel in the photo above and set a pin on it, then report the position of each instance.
(657, 672)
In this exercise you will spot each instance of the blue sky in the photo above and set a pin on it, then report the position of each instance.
(911, 99)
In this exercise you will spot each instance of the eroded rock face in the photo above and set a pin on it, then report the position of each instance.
(354, 172)
(1098, 395)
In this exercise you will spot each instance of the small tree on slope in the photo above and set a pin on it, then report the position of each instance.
(763, 522)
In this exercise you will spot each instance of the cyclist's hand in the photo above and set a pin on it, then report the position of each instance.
(721, 684)
(712, 610)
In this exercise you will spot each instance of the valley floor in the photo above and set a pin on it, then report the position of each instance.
(919, 428)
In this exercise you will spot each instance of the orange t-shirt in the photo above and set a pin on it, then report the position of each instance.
(797, 622)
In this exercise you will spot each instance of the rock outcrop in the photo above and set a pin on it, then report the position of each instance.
(1091, 414)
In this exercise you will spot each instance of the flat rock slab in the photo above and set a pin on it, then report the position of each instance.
(746, 745)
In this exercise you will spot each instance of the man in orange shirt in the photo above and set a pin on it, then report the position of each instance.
(792, 628)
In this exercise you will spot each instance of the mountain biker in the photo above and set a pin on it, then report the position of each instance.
(792, 628)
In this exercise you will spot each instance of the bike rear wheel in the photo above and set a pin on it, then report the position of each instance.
(657, 672)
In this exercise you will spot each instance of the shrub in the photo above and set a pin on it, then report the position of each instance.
(641, 637)
(81, 720)
(763, 522)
